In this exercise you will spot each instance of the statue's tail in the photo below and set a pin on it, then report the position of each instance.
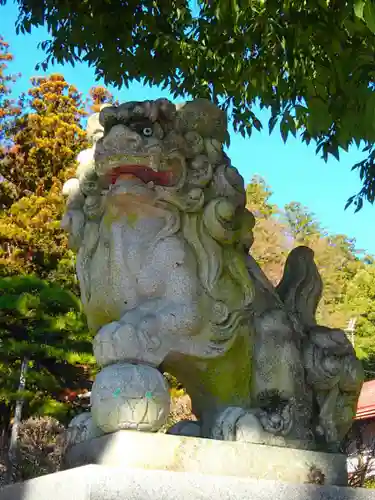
(332, 369)
(300, 288)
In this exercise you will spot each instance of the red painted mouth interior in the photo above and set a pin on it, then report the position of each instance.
(143, 173)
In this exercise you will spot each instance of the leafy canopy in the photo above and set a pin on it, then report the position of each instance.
(309, 62)
(301, 223)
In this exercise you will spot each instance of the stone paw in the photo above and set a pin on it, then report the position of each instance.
(238, 424)
(81, 428)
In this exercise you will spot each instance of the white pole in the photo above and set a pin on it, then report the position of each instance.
(351, 329)
(18, 412)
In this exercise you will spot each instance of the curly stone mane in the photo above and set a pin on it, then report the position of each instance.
(206, 204)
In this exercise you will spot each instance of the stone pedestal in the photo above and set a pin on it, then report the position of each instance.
(98, 482)
(141, 450)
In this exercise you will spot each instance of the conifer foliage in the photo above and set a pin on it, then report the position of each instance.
(45, 141)
(8, 108)
(43, 334)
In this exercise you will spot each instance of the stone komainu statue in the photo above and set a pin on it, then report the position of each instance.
(157, 216)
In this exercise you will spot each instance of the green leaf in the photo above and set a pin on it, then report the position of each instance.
(359, 205)
(257, 124)
(370, 112)
(319, 118)
(284, 129)
(271, 123)
(369, 15)
(349, 202)
(358, 8)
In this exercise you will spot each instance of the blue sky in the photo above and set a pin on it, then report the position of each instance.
(293, 170)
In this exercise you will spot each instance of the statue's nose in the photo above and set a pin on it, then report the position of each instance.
(120, 137)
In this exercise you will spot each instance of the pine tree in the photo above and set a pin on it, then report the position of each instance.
(43, 339)
(8, 108)
(9, 111)
(38, 156)
(47, 139)
(45, 144)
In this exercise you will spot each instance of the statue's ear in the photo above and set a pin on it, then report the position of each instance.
(204, 117)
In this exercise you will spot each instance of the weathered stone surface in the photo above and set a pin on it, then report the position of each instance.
(82, 428)
(203, 117)
(208, 456)
(157, 216)
(118, 398)
(94, 482)
(73, 484)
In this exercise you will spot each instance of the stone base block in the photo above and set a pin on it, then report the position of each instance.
(94, 482)
(132, 449)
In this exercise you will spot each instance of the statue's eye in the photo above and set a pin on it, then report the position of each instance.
(147, 131)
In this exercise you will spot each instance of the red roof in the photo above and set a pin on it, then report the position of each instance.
(366, 401)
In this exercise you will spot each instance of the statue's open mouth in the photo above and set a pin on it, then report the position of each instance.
(146, 167)
(142, 172)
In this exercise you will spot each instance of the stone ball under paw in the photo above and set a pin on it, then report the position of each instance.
(130, 396)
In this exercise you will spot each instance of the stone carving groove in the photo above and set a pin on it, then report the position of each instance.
(156, 214)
